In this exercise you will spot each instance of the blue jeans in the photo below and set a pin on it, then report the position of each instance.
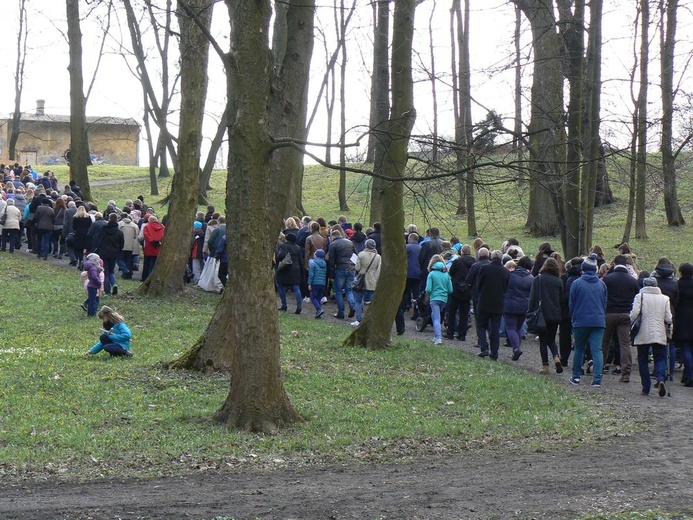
(660, 363)
(44, 242)
(594, 336)
(109, 278)
(92, 301)
(343, 280)
(687, 352)
(359, 298)
(491, 322)
(316, 292)
(125, 263)
(436, 310)
(296, 288)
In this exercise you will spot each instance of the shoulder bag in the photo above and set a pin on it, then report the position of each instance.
(635, 326)
(535, 319)
(359, 283)
(285, 262)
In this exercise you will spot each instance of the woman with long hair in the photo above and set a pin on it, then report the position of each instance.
(547, 290)
(80, 227)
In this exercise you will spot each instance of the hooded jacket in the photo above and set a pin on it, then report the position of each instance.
(153, 233)
(668, 284)
(111, 243)
(519, 288)
(438, 283)
(587, 301)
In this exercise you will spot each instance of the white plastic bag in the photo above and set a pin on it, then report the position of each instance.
(209, 279)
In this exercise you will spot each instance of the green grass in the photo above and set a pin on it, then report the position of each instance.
(61, 414)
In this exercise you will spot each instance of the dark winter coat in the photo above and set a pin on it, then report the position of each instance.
(44, 217)
(568, 278)
(413, 267)
(458, 272)
(517, 295)
(80, 227)
(95, 233)
(359, 240)
(548, 288)
(493, 284)
(473, 277)
(376, 236)
(111, 242)
(339, 254)
(428, 249)
(292, 274)
(683, 321)
(621, 289)
(667, 283)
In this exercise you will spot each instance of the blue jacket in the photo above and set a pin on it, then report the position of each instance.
(438, 283)
(317, 273)
(413, 267)
(519, 288)
(587, 301)
(120, 334)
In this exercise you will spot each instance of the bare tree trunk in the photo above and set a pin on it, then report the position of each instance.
(374, 330)
(167, 276)
(206, 174)
(632, 179)
(380, 102)
(668, 9)
(343, 206)
(517, 127)
(18, 81)
(434, 88)
(154, 188)
(79, 146)
(547, 134)
(641, 176)
(593, 109)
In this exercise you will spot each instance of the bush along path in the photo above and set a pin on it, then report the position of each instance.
(626, 472)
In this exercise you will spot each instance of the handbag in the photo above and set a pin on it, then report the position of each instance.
(209, 278)
(535, 319)
(635, 326)
(359, 283)
(285, 262)
(3, 218)
(70, 240)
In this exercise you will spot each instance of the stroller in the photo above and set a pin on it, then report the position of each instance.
(422, 309)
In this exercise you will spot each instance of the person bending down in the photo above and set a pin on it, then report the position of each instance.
(115, 337)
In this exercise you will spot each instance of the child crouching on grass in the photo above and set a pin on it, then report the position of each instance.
(92, 277)
(115, 337)
(317, 279)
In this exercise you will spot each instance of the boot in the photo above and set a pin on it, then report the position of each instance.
(544, 370)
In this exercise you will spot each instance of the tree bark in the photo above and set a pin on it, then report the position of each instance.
(641, 173)
(79, 145)
(668, 9)
(168, 273)
(517, 127)
(547, 133)
(206, 174)
(374, 330)
(380, 102)
(343, 206)
(18, 82)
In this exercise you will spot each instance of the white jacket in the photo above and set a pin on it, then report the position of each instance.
(655, 326)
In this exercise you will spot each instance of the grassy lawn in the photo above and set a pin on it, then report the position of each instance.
(61, 414)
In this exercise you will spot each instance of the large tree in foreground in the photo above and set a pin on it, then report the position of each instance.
(194, 19)
(79, 146)
(374, 330)
(264, 99)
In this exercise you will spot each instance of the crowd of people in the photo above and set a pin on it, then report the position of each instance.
(590, 302)
(586, 305)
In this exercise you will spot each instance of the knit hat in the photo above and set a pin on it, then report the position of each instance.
(197, 224)
(650, 281)
(483, 253)
(320, 253)
(370, 244)
(590, 263)
(93, 257)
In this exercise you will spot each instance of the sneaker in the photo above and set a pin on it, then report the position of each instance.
(596, 385)
(617, 371)
(558, 364)
(324, 300)
(517, 354)
(339, 316)
(84, 307)
(662, 390)
(483, 353)
(306, 299)
(114, 290)
(590, 366)
(355, 323)
(319, 314)
(438, 341)
(574, 380)
(607, 369)
(88, 354)
(128, 354)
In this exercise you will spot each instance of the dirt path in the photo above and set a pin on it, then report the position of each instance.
(653, 469)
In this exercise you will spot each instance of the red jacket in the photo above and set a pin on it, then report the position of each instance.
(153, 237)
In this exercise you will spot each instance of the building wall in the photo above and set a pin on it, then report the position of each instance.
(46, 141)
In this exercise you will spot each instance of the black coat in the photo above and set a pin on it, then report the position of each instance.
(683, 322)
(458, 272)
(493, 284)
(621, 289)
(473, 277)
(428, 249)
(292, 274)
(80, 227)
(112, 242)
(549, 288)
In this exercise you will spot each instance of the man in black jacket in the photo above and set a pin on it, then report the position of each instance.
(430, 247)
(493, 284)
(461, 296)
(621, 290)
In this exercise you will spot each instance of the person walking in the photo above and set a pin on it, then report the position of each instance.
(438, 287)
(368, 266)
(547, 288)
(652, 307)
(516, 303)
(492, 284)
(683, 321)
(587, 304)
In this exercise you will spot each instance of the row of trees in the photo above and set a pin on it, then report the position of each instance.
(560, 153)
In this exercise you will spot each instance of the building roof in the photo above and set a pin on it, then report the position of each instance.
(91, 120)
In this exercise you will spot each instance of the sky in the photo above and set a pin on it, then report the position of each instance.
(117, 92)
